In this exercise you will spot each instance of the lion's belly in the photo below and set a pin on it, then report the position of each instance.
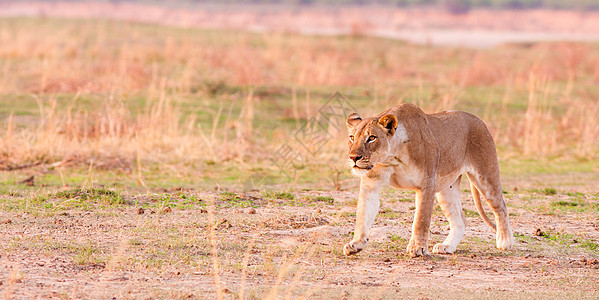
(412, 179)
(443, 182)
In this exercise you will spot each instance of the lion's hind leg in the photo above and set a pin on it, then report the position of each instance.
(449, 200)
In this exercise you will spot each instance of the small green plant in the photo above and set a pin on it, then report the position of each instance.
(104, 195)
(548, 191)
(389, 213)
(569, 239)
(325, 199)
(229, 196)
(395, 243)
(522, 237)
(235, 200)
(396, 238)
(14, 194)
(566, 203)
(405, 199)
(590, 245)
(470, 213)
(85, 253)
(284, 195)
(347, 214)
(278, 195)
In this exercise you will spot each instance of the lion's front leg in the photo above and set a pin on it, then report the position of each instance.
(367, 209)
(418, 244)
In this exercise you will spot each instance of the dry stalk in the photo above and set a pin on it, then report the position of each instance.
(140, 178)
(300, 271)
(244, 128)
(295, 108)
(214, 250)
(246, 259)
(89, 180)
(287, 264)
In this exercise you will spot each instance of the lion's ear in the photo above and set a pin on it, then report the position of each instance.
(353, 120)
(389, 122)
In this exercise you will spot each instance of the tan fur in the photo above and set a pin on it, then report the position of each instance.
(428, 153)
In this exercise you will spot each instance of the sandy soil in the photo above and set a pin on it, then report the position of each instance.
(287, 248)
(477, 28)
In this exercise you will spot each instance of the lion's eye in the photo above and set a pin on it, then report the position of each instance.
(371, 138)
(351, 138)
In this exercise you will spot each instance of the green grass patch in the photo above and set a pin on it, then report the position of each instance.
(548, 191)
(401, 199)
(235, 200)
(284, 195)
(470, 213)
(566, 203)
(325, 199)
(347, 214)
(590, 245)
(389, 213)
(396, 243)
(397, 238)
(103, 195)
(229, 196)
(567, 239)
(85, 254)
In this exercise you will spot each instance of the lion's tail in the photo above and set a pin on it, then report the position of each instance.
(479, 207)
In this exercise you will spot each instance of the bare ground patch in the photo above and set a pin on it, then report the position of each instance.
(218, 244)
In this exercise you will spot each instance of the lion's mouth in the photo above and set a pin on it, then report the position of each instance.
(362, 168)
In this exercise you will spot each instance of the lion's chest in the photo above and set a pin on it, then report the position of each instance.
(406, 177)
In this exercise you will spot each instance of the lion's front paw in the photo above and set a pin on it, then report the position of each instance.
(415, 249)
(353, 247)
(443, 249)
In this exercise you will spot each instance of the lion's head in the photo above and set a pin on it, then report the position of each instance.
(369, 141)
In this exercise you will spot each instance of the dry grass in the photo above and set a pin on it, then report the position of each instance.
(541, 100)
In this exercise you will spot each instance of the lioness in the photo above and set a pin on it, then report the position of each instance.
(406, 148)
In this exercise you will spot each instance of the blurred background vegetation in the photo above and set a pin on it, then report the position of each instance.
(452, 5)
(198, 106)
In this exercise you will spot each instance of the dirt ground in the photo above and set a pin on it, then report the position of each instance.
(188, 244)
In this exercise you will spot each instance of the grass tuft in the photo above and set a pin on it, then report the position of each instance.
(566, 203)
(548, 191)
(325, 199)
(102, 194)
(229, 196)
(284, 195)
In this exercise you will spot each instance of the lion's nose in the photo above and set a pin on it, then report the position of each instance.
(355, 158)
